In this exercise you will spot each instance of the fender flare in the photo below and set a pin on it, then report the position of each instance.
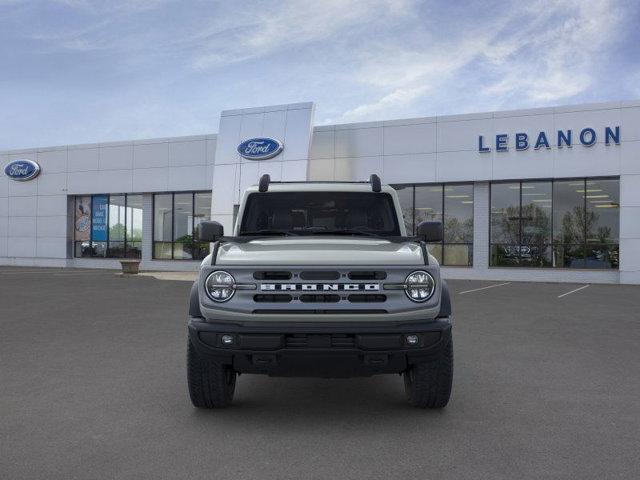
(194, 301)
(445, 301)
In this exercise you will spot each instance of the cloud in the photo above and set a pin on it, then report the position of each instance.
(541, 53)
(288, 24)
(555, 63)
(125, 69)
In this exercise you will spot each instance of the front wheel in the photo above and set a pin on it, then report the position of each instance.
(428, 384)
(211, 384)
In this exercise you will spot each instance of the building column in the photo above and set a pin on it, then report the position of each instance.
(147, 227)
(629, 229)
(481, 217)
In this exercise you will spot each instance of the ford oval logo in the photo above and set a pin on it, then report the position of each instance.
(22, 170)
(260, 148)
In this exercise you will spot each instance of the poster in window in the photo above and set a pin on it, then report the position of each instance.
(83, 219)
(99, 218)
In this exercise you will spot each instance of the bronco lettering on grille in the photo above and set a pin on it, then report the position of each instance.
(323, 287)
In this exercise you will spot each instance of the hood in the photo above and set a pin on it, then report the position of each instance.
(320, 251)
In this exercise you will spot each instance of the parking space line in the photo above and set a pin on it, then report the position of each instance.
(573, 291)
(484, 288)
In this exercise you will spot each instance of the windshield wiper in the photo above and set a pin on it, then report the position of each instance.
(284, 233)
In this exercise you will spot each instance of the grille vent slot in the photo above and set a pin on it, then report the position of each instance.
(319, 298)
(272, 298)
(272, 275)
(367, 275)
(320, 275)
(364, 298)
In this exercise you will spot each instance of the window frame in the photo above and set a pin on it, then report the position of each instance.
(553, 245)
(173, 215)
(125, 240)
(442, 243)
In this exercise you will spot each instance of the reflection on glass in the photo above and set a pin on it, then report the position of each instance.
(451, 204)
(603, 211)
(428, 204)
(535, 215)
(117, 219)
(505, 213)
(568, 212)
(458, 214)
(183, 225)
(201, 213)
(162, 250)
(177, 217)
(405, 196)
(564, 224)
(162, 217)
(134, 226)
(435, 249)
(458, 255)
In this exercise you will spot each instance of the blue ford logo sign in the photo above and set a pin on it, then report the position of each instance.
(260, 148)
(22, 170)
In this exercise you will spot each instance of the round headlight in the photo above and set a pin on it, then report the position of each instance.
(220, 286)
(419, 286)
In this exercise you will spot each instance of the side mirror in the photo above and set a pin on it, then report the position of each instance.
(210, 231)
(430, 232)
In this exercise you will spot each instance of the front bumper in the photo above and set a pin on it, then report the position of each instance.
(287, 348)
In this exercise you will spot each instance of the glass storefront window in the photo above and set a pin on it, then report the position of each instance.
(458, 225)
(108, 226)
(82, 226)
(176, 220)
(182, 225)
(451, 204)
(564, 223)
(117, 219)
(134, 226)
(201, 213)
(405, 196)
(162, 225)
(536, 201)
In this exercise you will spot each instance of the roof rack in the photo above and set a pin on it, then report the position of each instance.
(265, 181)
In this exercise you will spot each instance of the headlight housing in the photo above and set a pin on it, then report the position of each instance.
(220, 286)
(419, 286)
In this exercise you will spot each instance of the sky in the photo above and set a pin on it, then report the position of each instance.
(79, 71)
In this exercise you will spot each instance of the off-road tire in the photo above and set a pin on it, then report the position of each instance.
(211, 384)
(428, 385)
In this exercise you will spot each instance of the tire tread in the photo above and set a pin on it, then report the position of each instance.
(428, 384)
(207, 381)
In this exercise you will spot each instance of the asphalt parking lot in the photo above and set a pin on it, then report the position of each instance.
(93, 385)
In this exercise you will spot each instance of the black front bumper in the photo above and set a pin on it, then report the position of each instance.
(319, 349)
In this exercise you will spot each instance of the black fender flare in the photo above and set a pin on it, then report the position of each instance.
(445, 301)
(194, 301)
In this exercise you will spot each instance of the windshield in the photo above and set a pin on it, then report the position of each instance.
(320, 213)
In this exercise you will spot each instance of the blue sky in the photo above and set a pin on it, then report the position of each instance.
(76, 71)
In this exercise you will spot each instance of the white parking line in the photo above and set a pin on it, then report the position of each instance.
(573, 291)
(484, 288)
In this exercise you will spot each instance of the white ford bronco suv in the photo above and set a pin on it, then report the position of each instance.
(320, 279)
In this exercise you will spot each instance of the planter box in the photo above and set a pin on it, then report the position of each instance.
(130, 266)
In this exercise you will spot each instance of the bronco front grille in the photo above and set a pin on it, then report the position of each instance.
(324, 289)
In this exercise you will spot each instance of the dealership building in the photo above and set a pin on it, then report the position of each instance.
(548, 194)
